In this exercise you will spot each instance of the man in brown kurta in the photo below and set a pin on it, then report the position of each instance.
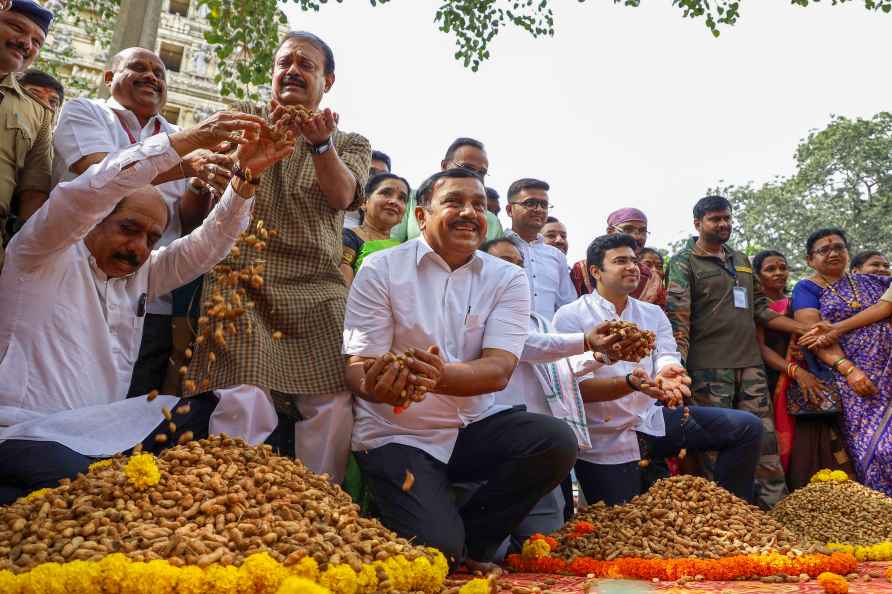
(288, 346)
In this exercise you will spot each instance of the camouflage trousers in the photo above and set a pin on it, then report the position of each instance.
(745, 389)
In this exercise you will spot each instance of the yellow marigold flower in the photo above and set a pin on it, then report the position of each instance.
(47, 578)
(340, 579)
(306, 568)
(100, 464)
(400, 575)
(299, 585)
(475, 586)
(535, 549)
(424, 576)
(367, 579)
(112, 570)
(142, 471)
(833, 583)
(222, 579)
(9, 582)
(839, 476)
(441, 566)
(821, 476)
(35, 494)
(81, 577)
(261, 573)
(191, 580)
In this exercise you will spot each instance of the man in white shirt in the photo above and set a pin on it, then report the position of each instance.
(545, 384)
(470, 311)
(90, 129)
(72, 299)
(545, 265)
(626, 423)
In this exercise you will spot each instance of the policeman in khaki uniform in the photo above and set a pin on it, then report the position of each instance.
(713, 302)
(25, 123)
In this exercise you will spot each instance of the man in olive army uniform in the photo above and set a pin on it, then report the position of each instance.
(713, 302)
(26, 147)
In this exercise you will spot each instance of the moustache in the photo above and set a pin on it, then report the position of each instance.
(294, 80)
(24, 49)
(148, 83)
(128, 257)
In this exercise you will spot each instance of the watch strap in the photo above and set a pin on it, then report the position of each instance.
(321, 149)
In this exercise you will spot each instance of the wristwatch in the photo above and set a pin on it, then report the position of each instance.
(321, 149)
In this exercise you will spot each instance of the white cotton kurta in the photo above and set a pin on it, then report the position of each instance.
(612, 425)
(69, 335)
(88, 126)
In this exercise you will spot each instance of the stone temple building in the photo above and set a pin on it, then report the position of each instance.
(190, 60)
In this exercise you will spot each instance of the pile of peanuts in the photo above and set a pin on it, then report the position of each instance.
(293, 113)
(643, 345)
(682, 516)
(840, 512)
(218, 501)
(227, 305)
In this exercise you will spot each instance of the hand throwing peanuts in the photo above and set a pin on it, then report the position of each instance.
(636, 344)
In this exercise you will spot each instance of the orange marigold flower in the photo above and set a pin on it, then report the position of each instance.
(833, 583)
(583, 527)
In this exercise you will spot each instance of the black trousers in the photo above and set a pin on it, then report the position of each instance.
(521, 456)
(27, 465)
(154, 354)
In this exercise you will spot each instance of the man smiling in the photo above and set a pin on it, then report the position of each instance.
(464, 316)
(25, 138)
(303, 295)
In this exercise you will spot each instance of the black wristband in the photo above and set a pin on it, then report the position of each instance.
(629, 382)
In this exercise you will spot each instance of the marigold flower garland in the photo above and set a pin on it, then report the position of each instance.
(259, 574)
(881, 551)
(535, 559)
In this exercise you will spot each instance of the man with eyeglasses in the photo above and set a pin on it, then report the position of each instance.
(714, 301)
(464, 153)
(545, 265)
(633, 222)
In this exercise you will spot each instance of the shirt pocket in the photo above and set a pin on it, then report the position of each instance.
(472, 337)
(22, 136)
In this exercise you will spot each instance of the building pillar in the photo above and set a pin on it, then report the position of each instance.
(137, 26)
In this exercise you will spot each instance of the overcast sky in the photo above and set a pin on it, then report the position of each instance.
(622, 107)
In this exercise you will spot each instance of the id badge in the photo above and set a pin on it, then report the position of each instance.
(740, 301)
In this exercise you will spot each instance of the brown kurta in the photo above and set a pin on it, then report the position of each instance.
(303, 294)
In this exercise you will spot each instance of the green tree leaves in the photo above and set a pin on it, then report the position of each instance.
(843, 179)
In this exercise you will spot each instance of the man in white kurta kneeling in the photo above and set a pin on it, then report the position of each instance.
(73, 292)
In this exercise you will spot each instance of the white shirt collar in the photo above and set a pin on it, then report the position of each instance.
(605, 304)
(113, 103)
(424, 249)
(540, 239)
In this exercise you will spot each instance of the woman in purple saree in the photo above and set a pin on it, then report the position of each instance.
(861, 362)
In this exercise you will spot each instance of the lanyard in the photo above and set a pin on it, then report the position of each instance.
(130, 134)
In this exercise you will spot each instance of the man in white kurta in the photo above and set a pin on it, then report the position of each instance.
(624, 409)
(72, 305)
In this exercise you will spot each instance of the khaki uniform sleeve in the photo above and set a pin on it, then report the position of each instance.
(356, 153)
(39, 161)
(678, 302)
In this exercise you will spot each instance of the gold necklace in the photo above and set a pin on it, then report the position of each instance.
(853, 303)
(372, 233)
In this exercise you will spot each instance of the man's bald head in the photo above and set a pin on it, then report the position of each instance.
(122, 242)
(137, 79)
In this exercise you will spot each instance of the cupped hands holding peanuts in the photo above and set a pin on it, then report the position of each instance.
(400, 380)
(670, 386)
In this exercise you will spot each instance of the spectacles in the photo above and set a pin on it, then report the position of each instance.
(467, 167)
(630, 230)
(839, 248)
(532, 203)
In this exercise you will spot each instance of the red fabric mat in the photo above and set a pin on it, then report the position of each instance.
(559, 584)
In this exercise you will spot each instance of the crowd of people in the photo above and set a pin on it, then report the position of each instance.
(275, 278)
